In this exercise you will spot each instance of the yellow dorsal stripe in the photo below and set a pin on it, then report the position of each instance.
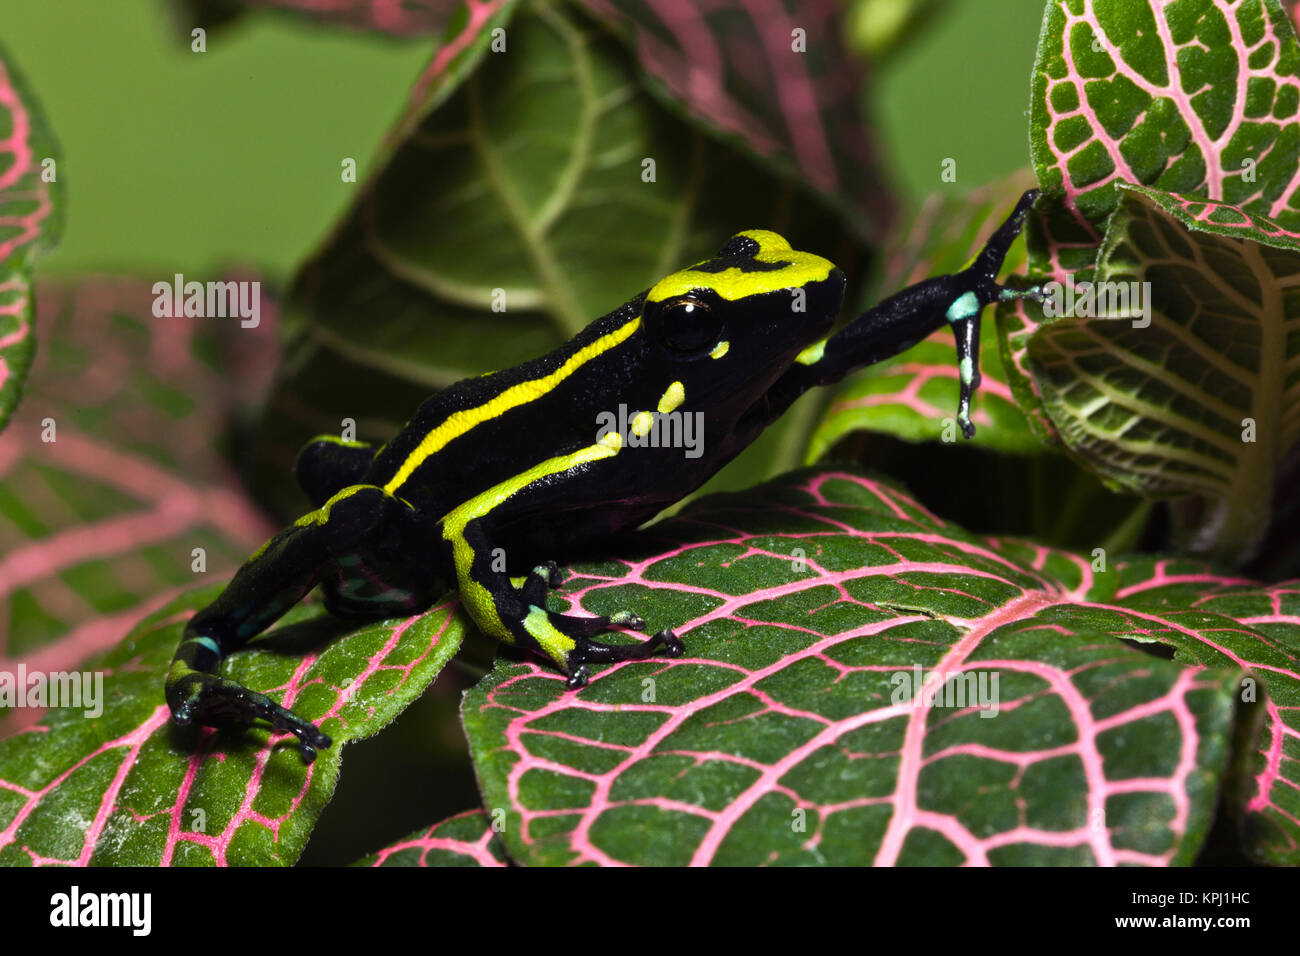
(458, 423)
(734, 283)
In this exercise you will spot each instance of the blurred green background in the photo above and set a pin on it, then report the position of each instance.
(177, 161)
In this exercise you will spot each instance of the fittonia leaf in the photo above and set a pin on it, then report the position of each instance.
(1201, 393)
(114, 498)
(787, 734)
(467, 839)
(125, 788)
(1197, 102)
(31, 200)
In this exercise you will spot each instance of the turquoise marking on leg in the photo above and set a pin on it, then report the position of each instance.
(207, 642)
(963, 307)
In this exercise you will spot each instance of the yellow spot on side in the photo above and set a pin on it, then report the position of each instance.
(798, 269)
(812, 354)
(458, 423)
(720, 350)
(675, 395)
(641, 424)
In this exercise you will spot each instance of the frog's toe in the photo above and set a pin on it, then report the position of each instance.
(665, 643)
(216, 702)
(545, 577)
(584, 627)
(551, 572)
(633, 622)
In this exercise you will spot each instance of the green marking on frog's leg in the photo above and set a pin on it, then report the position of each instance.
(964, 317)
(554, 643)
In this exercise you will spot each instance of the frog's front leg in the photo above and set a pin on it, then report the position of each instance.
(905, 318)
(364, 527)
(514, 611)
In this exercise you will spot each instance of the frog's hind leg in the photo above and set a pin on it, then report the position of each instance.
(327, 464)
(275, 578)
(380, 580)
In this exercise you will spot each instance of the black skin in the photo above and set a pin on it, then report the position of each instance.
(378, 554)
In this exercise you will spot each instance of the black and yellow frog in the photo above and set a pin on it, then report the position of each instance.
(521, 464)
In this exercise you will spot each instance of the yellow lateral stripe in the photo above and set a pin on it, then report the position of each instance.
(458, 423)
(735, 283)
(474, 595)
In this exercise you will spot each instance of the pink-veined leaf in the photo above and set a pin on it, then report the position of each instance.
(114, 496)
(466, 839)
(914, 396)
(777, 81)
(31, 201)
(125, 788)
(1222, 621)
(404, 18)
(795, 730)
(1199, 394)
(1195, 99)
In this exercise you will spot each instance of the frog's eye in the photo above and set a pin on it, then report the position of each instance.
(688, 325)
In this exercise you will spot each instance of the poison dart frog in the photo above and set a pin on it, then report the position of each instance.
(514, 463)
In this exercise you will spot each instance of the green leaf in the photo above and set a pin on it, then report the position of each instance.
(114, 495)
(408, 18)
(1218, 621)
(509, 212)
(795, 730)
(914, 396)
(1204, 399)
(466, 839)
(1198, 99)
(124, 788)
(777, 83)
(31, 219)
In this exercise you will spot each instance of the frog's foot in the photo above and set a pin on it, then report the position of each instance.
(586, 651)
(548, 576)
(215, 702)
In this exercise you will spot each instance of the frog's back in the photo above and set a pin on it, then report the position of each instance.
(483, 430)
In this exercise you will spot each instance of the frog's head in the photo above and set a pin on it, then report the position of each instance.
(746, 313)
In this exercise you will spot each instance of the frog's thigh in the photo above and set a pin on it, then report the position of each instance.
(327, 464)
(384, 555)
